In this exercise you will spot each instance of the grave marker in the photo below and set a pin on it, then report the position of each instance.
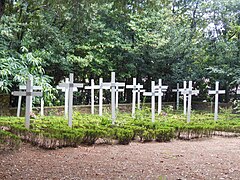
(160, 89)
(69, 86)
(117, 95)
(113, 84)
(65, 90)
(136, 87)
(177, 91)
(216, 92)
(139, 91)
(92, 87)
(23, 88)
(153, 93)
(190, 93)
(29, 94)
(184, 92)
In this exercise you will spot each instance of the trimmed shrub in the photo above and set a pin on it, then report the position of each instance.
(148, 135)
(124, 136)
(9, 140)
(164, 134)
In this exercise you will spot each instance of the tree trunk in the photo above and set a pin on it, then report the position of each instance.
(2, 7)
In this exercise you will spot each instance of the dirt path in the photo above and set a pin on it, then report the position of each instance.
(215, 158)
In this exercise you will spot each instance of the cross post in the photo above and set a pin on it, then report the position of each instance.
(135, 88)
(70, 87)
(216, 92)
(65, 90)
(23, 88)
(113, 85)
(160, 89)
(184, 91)
(139, 91)
(92, 88)
(152, 94)
(29, 94)
(190, 93)
(177, 91)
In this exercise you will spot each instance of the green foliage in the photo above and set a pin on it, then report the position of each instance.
(9, 140)
(124, 136)
(164, 134)
(53, 132)
(174, 40)
(148, 135)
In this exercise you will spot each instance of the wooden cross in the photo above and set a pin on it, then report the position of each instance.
(190, 93)
(238, 91)
(29, 94)
(23, 88)
(153, 93)
(139, 91)
(184, 92)
(136, 87)
(216, 92)
(92, 88)
(70, 86)
(177, 91)
(113, 85)
(160, 89)
(65, 90)
(118, 90)
(101, 87)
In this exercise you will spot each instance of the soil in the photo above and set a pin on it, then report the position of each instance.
(214, 158)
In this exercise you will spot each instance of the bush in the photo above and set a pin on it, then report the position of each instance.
(91, 135)
(164, 134)
(148, 135)
(9, 140)
(124, 136)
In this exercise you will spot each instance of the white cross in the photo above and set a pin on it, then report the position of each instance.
(190, 93)
(160, 89)
(118, 90)
(238, 91)
(70, 86)
(136, 87)
(184, 92)
(65, 90)
(177, 91)
(216, 92)
(113, 85)
(29, 94)
(92, 87)
(139, 91)
(153, 93)
(37, 88)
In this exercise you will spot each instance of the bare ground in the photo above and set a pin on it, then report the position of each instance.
(214, 158)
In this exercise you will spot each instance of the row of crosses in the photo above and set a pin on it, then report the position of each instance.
(115, 87)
